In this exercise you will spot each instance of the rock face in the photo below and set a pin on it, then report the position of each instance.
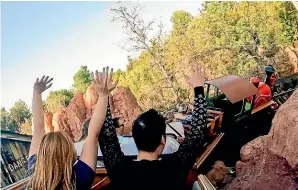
(60, 122)
(295, 44)
(125, 107)
(48, 117)
(55, 121)
(219, 174)
(81, 107)
(76, 115)
(71, 119)
(271, 161)
(293, 56)
(90, 99)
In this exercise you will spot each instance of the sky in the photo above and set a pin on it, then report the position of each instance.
(56, 38)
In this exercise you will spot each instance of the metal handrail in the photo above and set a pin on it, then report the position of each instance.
(17, 184)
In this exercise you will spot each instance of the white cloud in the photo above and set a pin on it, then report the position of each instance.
(93, 43)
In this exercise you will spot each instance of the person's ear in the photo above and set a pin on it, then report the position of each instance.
(163, 140)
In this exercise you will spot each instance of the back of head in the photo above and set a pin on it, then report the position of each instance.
(147, 130)
(183, 108)
(170, 116)
(54, 162)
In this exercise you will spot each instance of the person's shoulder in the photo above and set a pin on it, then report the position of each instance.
(32, 158)
(83, 171)
(84, 175)
(170, 161)
(127, 160)
(81, 166)
(176, 124)
(31, 164)
(168, 157)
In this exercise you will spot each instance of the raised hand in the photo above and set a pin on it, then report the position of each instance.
(197, 78)
(111, 84)
(42, 84)
(100, 81)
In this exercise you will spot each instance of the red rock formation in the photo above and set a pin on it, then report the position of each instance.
(90, 98)
(60, 123)
(293, 58)
(55, 121)
(271, 161)
(285, 132)
(71, 119)
(81, 107)
(76, 115)
(261, 50)
(124, 106)
(295, 49)
(219, 173)
(295, 44)
(48, 117)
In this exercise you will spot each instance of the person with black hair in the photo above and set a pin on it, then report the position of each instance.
(149, 170)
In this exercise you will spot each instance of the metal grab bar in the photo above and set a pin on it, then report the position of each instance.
(17, 185)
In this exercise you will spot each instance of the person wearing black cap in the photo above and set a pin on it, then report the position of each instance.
(149, 171)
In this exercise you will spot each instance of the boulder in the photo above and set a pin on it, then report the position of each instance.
(60, 122)
(81, 107)
(219, 174)
(55, 121)
(76, 115)
(48, 117)
(125, 107)
(293, 58)
(71, 118)
(90, 99)
(284, 131)
(271, 161)
(295, 44)
(261, 50)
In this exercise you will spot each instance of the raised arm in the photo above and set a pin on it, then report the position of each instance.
(108, 140)
(37, 110)
(90, 147)
(196, 137)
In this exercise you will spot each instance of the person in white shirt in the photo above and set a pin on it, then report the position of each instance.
(128, 146)
(173, 127)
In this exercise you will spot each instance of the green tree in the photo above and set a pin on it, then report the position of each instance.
(137, 32)
(7, 123)
(81, 79)
(26, 128)
(180, 21)
(20, 112)
(57, 100)
(289, 19)
(120, 76)
(227, 38)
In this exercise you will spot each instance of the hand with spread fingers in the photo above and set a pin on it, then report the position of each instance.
(112, 84)
(100, 81)
(42, 84)
(197, 78)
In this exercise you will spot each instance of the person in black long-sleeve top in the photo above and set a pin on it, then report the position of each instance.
(149, 171)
